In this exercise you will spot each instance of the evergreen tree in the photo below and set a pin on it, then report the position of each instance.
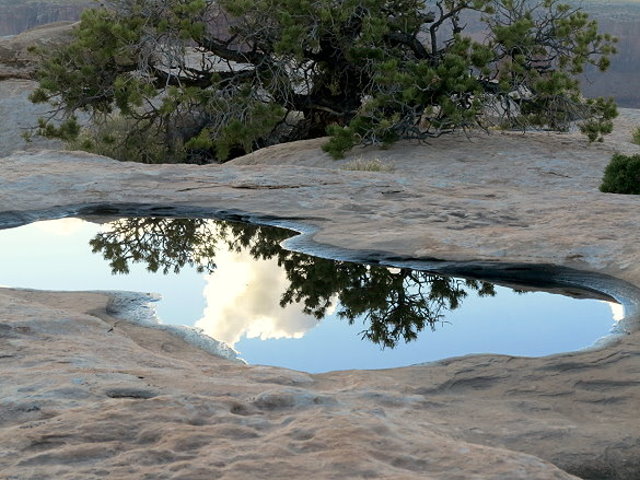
(205, 80)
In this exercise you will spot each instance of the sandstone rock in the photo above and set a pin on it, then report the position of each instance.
(118, 402)
(82, 398)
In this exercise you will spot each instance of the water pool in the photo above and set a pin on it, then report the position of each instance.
(278, 307)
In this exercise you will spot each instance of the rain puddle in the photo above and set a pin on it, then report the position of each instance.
(277, 307)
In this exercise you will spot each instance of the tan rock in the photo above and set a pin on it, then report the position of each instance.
(79, 400)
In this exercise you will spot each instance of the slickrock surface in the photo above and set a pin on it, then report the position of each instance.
(79, 400)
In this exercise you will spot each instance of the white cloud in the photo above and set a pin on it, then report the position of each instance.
(63, 226)
(242, 298)
(617, 310)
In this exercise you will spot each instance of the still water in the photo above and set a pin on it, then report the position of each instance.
(276, 307)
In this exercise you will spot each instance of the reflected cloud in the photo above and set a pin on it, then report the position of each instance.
(62, 227)
(242, 299)
(617, 310)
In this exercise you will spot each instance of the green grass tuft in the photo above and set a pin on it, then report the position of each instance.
(375, 165)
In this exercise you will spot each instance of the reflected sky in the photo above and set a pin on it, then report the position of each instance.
(241, 301)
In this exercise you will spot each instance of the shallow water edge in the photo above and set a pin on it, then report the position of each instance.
(540, 277)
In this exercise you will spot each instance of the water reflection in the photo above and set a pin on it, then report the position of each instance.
(617, 311)
(242, 300)
(395, 304)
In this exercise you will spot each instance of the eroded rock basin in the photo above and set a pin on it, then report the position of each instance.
(233, 282)
(83, 401)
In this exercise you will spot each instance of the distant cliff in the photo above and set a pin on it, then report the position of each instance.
(19, 15)
(623, 77)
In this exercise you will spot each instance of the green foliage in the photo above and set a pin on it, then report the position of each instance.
(213, 80)
(86, 74)
(622, 175)
(68, 130)
(342, 139)
(124, 139)
(164, 245)
(600, 123)
(635, 136)
(258, 121)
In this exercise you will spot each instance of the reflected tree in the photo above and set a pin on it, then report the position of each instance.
(165, 245)
(395, 304)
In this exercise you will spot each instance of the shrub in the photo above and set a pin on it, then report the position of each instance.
(635, 136)
(622, 175)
